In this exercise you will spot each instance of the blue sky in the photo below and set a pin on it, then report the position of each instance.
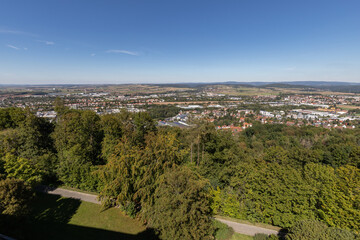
(78, 41)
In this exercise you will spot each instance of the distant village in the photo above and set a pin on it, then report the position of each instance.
(227, 112)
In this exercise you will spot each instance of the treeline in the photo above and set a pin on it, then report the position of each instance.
(279, 175)
(176, 179)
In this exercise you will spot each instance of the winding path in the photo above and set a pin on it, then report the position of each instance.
(242, 228)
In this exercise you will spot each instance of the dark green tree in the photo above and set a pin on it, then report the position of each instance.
(182, 206)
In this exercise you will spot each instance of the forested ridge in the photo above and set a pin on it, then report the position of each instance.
(176, 179)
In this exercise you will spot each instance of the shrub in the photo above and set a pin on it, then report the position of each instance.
(273, 237)
(307, 230)
(335, 234)
(222, 231)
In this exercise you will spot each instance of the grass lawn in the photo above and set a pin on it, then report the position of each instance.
(90, 215)
(238, 236)
(53, 217)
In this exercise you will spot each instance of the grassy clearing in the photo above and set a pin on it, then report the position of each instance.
(54, 217)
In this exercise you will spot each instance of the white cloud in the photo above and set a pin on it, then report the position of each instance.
(93, 54)
(123, 52)
(46, 42)
(13, 47)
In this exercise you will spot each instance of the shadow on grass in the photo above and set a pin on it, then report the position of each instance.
(49, 217)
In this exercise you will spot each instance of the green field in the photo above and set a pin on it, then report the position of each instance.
(238, 236)
(54, 217)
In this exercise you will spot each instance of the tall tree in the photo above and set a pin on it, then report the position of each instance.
(78, 137)
(181, 208)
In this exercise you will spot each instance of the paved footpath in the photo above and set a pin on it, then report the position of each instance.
(86, 197)
(242, 228)
(247, 229)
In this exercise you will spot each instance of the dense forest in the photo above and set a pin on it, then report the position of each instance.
(176, 179)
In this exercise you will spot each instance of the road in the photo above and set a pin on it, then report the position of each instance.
(242, 228)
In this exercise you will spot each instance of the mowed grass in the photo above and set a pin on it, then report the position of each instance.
(54, 217)
(238, 236)
(90, 215)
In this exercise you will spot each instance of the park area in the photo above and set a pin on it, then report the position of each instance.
(54, 217)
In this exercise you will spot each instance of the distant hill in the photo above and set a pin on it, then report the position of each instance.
(348, 87)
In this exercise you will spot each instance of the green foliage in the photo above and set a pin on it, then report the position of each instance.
(78, 137)
(11, 117)
(131, 172)
(315, 230)
(29, 142)
(143, 125)
(162, 111)
(336, 233)
(273, 237)
(181, 208)
(280, 175)
(268, 173)
(22, 168)
(15, 195)
(222, 231)
(307, 230)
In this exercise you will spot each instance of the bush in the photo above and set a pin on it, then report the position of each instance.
(222, 231)
(273, 237)
(307, 230)
(130, 209)
(335, 234)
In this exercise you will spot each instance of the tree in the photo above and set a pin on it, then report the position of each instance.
(143, 125)
(162, 151)
(78, 136)
(131, 171)
(118, 175)
(22, 168)
(14, 197)
(182, 206)
(11, 117)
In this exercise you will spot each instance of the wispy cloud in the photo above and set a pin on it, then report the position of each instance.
(46, 42)
(123, 52)
(15, 32)
(13, 47)
(16, 48)
(93, 54)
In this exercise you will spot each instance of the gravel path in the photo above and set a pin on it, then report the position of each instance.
(238, 227)
(247, 229)
(70, 194)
